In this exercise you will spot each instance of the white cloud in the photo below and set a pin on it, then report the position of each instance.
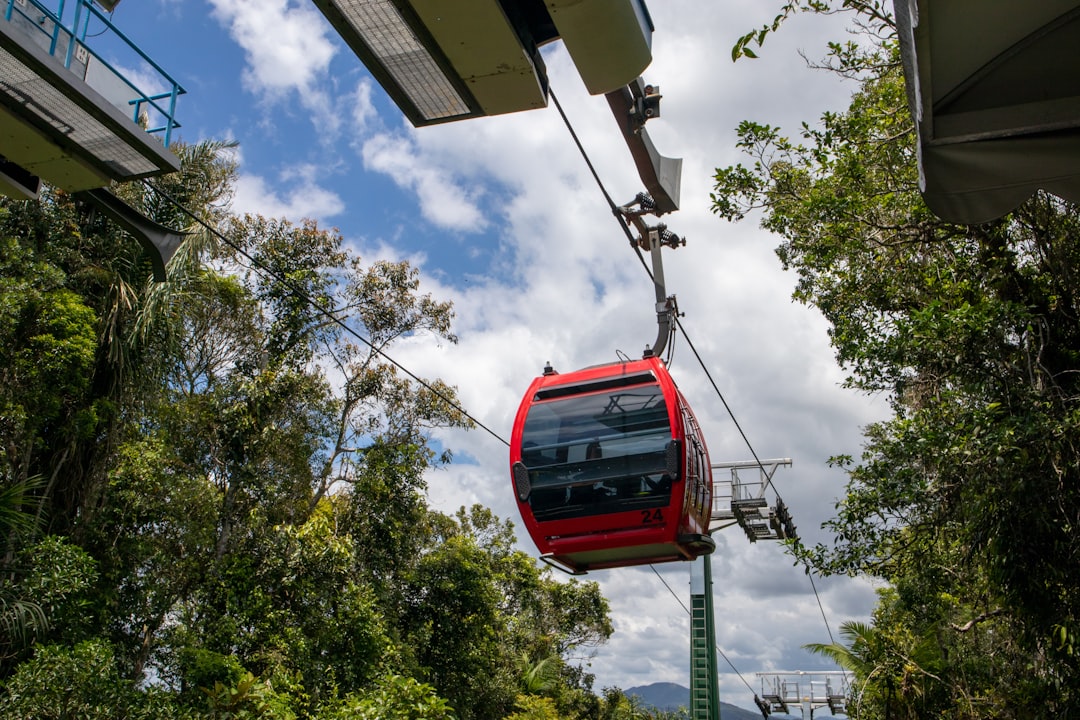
(363, 111)
(443, 201)
(303, 197)
(286, 47)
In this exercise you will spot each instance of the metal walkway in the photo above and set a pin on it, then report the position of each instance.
(66, 114)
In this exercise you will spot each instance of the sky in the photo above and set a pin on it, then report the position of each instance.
(502, 217)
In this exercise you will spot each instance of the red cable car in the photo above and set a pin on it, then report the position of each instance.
(610, 469)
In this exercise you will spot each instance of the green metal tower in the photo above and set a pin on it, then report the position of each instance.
(704, 682)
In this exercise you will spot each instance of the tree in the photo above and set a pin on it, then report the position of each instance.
(231, 476)
(77, 321)
(533, 707)
(394, 698)
(44, 595)
(971, 489)
(186, 434)
(880, 668)
(83, 682)
(48, 338)
(479, 616)
(20, 618)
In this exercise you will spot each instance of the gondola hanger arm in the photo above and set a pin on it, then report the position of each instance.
(653, 239)
(632, 106)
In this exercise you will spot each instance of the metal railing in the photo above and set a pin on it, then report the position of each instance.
(67, 41)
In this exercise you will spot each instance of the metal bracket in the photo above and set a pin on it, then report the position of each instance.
(652, 239)
(646, 104)
(632, 106)
(159, 241)
(549, 559)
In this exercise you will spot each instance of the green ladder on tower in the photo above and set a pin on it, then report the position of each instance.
(704, 683)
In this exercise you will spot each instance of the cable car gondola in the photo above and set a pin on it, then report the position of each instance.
(610, 469)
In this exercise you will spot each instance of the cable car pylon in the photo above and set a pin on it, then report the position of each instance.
(704, 677)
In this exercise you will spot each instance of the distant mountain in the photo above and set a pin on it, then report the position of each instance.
(671, 696)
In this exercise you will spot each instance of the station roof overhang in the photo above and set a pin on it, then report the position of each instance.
(994, 88)
(54, 126)
(481, 57)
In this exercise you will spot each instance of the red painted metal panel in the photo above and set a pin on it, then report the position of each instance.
(586, 511)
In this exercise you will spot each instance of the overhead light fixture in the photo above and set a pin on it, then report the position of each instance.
(440, 63)
(383, 34)
(610, 41)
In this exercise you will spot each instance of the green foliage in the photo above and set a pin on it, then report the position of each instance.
(394, 697)
(966, 500)
(509, 625)
(83, 682)
(294, 612)
(16, 522)
(20, 620)
(47, 353)
(925, 655)
(452, 622)
(874, 11)
(246, 698)
(204, 668)
(386, 508)
(213, 489)
(540, 676)
(44, 596)
(532, 707)
(616, 705)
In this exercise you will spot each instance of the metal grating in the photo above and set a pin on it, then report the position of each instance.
(32, 94)
(382, 28)
(47, 101)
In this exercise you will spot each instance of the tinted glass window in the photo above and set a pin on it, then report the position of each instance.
(597, 453)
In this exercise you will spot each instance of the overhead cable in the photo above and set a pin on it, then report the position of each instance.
(626, 229)
(327, 313)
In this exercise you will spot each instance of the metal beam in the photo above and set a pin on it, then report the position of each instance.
(160, 242)
(661, 175)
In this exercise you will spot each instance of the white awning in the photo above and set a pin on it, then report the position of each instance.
(994, 88)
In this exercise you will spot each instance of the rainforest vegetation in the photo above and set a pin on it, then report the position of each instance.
(966, 501)
(212, 495)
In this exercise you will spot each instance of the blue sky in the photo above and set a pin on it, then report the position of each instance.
(501, 217)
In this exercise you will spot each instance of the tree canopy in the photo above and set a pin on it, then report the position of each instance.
(212, 490)
(967, 499)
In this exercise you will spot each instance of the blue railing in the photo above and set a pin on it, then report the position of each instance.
(154, 111)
